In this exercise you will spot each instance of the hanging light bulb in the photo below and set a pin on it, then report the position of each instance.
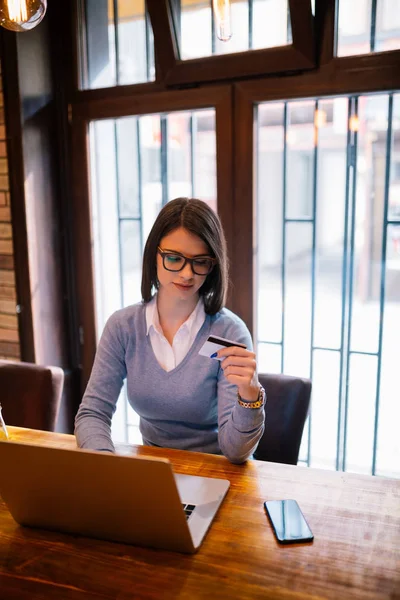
(222, 13)
(354, 123)
(21, 15)
(320, 118)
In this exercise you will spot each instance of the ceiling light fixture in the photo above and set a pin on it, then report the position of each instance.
(21, 15)
(223, 21)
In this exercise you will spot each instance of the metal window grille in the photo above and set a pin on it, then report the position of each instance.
(346, 350)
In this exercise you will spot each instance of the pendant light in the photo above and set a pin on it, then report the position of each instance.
(223, 21)
(21, 15)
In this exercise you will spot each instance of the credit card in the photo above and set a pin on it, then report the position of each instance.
(215, 343)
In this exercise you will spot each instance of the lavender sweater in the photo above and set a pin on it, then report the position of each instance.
(192, 407)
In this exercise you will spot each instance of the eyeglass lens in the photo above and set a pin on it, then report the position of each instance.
(175, 262)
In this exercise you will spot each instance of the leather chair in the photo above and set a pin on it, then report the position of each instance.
(30, 394)
(288, 400)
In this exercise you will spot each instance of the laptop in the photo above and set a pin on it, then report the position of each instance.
(131, 499)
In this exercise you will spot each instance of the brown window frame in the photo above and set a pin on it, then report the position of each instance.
(172, 71)
(300, 55)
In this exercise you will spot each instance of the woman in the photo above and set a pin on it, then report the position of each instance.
(184, 400)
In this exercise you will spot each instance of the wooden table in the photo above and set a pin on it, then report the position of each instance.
(355, 520)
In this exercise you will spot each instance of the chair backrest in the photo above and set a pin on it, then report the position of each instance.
(30, 394)
(288, 400)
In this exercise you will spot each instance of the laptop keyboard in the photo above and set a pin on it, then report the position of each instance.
(188, 508)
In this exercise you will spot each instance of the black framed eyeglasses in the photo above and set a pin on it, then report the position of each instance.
(174, 261)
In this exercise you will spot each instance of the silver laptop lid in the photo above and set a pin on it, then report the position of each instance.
(127, 499)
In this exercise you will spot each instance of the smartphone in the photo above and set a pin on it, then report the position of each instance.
(288, 522)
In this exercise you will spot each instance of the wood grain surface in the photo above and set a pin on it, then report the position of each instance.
(355, 554)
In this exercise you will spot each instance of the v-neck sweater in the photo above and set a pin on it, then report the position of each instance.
(191, 407)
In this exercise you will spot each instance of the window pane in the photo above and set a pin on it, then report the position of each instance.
(128, 166)
(297, 300)
(117, 45)
(150, 170)
(361, 413)
(300, 159)
(387, 25)
(254, 25)
(325, 406)
(370, 201)
(365, 26)
(131, 260)
(134, 43)
(270, 136)
(134, 436)
(179, 155)
(332, 119)
(191, 155)
(303, 452)
(269, 358)
(204, 157)
(196, 29)
(388, 452)
(394, 186)
(105, 224)
(271, 24)
(354, 33)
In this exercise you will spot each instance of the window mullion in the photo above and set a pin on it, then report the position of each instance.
(164, 159)
(383, 275)
(345, 307)
(116, 41)
(373, 25)
(352, 157)
(313, 265)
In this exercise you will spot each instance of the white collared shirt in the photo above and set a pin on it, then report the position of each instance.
(169, 356)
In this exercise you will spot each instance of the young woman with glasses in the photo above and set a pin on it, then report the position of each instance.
(185, 400)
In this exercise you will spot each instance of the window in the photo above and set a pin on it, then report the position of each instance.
(328, 270)
(255, 24)
(117, 45)
(269, 35)
(328, 208)
(137, 165)
(366, 26)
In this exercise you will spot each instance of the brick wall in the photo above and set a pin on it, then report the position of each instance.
(9, 339)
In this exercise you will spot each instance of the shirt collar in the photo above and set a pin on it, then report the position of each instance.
(196, 319)
(152, 319)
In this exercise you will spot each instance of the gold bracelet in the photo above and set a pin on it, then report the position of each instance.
(257, 403)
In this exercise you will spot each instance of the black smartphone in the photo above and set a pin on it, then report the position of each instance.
(288, 522)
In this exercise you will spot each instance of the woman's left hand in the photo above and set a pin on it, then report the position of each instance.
(240, 367)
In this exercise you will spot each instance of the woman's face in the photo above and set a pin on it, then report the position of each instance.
(181, 285)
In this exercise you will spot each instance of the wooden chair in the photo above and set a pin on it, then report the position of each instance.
(288, 400)
(30, 394)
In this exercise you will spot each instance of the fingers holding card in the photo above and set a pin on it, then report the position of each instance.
(215, 343)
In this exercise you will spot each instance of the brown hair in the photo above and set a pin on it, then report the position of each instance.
(198, 218)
